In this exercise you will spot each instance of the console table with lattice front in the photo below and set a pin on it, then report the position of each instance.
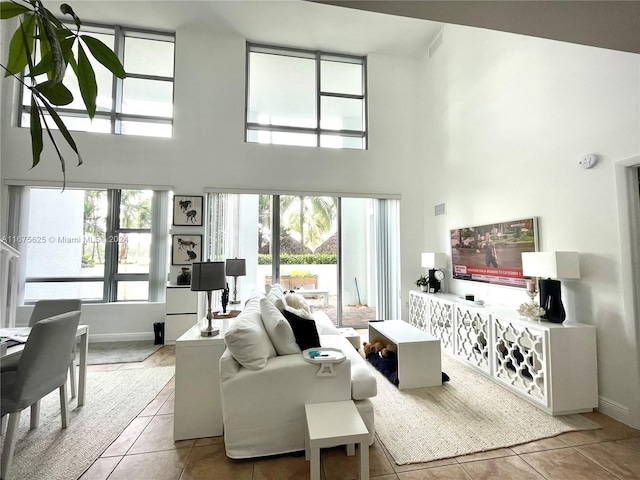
(554, 366)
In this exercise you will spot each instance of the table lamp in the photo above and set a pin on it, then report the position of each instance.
(206, 277)
(434, 262)
(552, 265)
(236, 267)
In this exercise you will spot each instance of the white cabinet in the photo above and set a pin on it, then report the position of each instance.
(471, 336)
(198, 405)
(554, 366)
(181, 312)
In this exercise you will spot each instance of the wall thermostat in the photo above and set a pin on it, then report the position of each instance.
(589, 160)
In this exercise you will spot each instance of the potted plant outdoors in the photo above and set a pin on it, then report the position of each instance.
(303, 279)
(423, 283)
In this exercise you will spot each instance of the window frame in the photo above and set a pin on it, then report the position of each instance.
(318, 56)
(110, 277)
(115, 116)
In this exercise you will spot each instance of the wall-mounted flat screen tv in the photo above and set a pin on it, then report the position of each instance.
(493, 253)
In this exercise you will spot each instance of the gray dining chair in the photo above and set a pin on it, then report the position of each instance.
(42, 368)
(45, 309)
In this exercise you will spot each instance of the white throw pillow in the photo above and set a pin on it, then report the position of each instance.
(277, 297)
(278, 328)
(295, 300)
(248, 340)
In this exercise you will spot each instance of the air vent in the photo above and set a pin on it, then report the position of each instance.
(435, 45)
(439, 209)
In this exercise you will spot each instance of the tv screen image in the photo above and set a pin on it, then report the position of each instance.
(493, 253)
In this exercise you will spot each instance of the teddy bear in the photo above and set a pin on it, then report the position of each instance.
(390, 350)
(375, 346)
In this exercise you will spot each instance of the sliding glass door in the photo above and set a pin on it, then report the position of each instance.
(359, 281)
(322, 247)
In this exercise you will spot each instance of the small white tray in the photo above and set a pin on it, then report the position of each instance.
(328, 356)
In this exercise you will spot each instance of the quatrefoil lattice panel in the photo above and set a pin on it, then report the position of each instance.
(418, 312)
(472, 337)
(519, 359)
(441, 322)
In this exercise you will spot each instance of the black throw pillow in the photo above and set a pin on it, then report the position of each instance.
(304, 330)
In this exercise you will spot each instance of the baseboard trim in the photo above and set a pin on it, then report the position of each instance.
(120, 337)
(615, 410)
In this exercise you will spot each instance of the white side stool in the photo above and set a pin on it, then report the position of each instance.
(351, 335)
(331, 424)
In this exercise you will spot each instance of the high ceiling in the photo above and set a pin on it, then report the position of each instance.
(290, 23)
(607, 24)
(396, 27)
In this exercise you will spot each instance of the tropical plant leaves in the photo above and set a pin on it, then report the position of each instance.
(56, 52)
(21, 46)
(11, 9)
(65, 133)
(66, 9)
(36, 133)
(59, 64)
(45, 65)
(56, 93)
(104, 55)
(87, 82)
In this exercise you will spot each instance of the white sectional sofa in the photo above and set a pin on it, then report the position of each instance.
(265, 381)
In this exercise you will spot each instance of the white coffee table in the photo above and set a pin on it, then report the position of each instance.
(331, 424)
(419, 362)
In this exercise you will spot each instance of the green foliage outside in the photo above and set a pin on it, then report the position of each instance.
(300, 259)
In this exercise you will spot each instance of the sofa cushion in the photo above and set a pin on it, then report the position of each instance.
(278, 328)
(363, 380)
(324, 324)
(248, 340)
(276, 296)
(303, 329)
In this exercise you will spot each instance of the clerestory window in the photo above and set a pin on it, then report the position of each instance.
(305, 98)
(141, 104)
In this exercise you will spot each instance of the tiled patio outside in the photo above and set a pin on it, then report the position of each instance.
(352, 315)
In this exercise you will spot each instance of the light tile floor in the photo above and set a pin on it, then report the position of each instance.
(146, 451)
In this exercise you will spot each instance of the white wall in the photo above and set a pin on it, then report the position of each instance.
(113, 322)
(208, 150)
(509, 117)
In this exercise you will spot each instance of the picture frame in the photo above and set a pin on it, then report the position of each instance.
(186, 249)
(187, 210)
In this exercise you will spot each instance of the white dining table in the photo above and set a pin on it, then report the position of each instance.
(83, 349)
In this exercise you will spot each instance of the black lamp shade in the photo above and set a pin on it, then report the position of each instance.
(236, 267)
(207, 276)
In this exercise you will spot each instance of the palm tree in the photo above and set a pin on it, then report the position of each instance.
(313, 217)
(134, 213)
(264, 220)
(94, 223)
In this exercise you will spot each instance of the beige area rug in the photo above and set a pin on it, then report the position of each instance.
(113, 400)
(468, 414)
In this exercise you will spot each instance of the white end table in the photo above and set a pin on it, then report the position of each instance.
(198, 406)
(331, 424)
(351, 335)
